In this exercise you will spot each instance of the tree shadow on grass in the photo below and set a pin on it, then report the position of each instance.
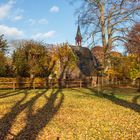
(111, 96)
(135, 99)
(10, 93)
(34, 123)
(121, 102)
(7, 120)
(11, 97)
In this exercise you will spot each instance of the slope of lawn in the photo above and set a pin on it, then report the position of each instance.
(70, 114)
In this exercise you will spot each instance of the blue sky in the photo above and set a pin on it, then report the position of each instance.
(51, 21)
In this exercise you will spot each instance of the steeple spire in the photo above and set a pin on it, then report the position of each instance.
(78, 37)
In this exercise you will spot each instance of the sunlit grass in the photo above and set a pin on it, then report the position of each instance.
(82, 114)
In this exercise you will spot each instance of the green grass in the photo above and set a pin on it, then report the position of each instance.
(70, 114)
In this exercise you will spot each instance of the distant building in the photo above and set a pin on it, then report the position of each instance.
(78, 38)
(87, 63)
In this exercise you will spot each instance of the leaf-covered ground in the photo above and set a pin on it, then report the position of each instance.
(70, 114)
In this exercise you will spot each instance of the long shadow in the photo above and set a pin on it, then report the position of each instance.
(121, 102)
(135, 99)
(12, 93)
(36, 122)
(9, 93)
(8, 119)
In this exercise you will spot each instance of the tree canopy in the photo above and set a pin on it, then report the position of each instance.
(3, 44)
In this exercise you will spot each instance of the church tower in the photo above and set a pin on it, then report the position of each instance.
(78, 38)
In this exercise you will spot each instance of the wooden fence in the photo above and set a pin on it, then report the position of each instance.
(51, 84)
(63, 84)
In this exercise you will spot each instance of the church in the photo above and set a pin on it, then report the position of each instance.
(87, 64)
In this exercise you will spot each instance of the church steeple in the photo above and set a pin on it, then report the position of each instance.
(78, 37)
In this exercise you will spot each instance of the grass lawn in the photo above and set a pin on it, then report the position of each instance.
(70, 114)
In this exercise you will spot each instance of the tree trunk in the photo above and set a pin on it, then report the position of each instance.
(102, 23)
(139, 86)
(32, 77)
(109, 45)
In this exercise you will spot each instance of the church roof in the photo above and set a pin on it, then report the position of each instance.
(87, 62)
(78, 34)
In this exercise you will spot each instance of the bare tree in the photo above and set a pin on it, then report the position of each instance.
(133, 46)
(133, 43)
(108, 20)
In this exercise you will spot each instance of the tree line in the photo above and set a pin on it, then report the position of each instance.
(127, 65)
(36, 59)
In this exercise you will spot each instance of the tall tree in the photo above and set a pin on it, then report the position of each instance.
(26, 58)
(108, 20)
(2, 65)
(133, 47)
(133, 43)
(3, 48)
(20, 63)
(33, 59)
(3, 44)
(67, 59)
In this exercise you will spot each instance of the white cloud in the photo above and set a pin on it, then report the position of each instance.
(54, 9)
(11, 32)
(39, 21)
(5, 9)
(16, 18)
(43, 21)
(42, 36)
(17, 14)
